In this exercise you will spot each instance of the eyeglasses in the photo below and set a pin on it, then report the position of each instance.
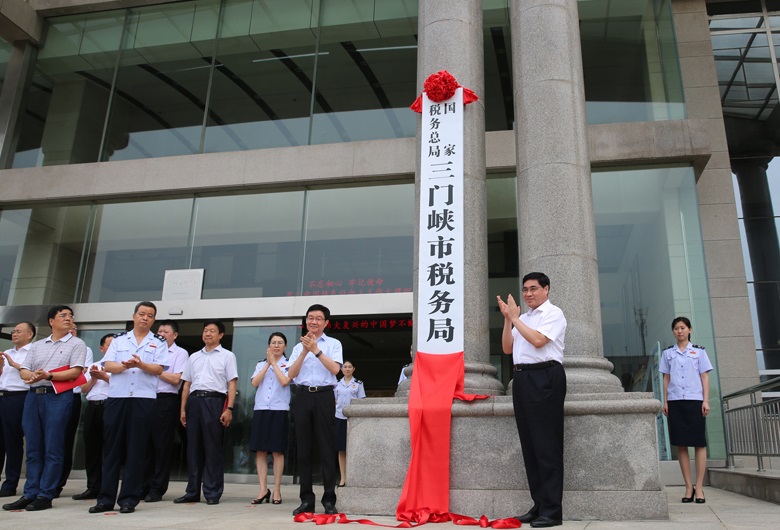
(277, 343)
(531, 289)
(315, 319)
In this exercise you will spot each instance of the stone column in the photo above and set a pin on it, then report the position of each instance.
(556, 230)
(451, 38)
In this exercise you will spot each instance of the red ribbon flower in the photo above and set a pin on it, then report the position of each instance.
(440, 87)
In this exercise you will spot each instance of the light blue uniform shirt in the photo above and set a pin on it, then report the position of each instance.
(135, 383)
(313, 373)
(271, 395)
(685, 369)
(347, 392)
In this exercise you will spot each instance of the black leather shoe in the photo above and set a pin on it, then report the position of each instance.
(88, 494)
(100, 508)
(526, 518)
(212, 502)
(184, 499)
(304, 507)
(39, 504)
(330, 508)
(58, 493)
(126, 509)
(7, 493)
(19, 504)
(153, 497)
(545, 522)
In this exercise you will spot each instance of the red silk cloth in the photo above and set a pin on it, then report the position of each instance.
(441, 86)
(437, 380)
(423, 517)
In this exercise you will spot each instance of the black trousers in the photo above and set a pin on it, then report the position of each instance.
(538, 397)
(126, 430)
(93, 444)
(205, 462)
(314, 416)
(11, 439)
(158, 464)
(70, 439)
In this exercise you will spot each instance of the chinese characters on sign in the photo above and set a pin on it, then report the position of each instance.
(348, 286)
(440, 276)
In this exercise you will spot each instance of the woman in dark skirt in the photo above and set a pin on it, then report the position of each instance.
(346, 390)
(686, 370)
(269, 422)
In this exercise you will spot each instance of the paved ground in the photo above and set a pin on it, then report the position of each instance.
(722, 510)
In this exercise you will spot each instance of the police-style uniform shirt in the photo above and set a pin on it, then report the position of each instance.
(99, 391)
(346, 392)
(403, 374)
(684, 369)
(548, 320)
(313, 373)
(271, 395)
(134, 382)
(48, 354)
(178, 358)
(89, 359)
(211, 371)
(10, 380)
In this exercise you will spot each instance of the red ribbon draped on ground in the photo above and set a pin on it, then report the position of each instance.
(460, 520)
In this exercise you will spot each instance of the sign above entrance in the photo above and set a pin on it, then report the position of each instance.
(183, 284)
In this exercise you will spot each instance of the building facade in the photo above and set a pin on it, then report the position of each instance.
(270, 144)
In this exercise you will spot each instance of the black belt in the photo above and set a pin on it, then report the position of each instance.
(42, 390)
(205, 393)
(317, 388)
(162, 395)
(6, 393)
(96, 402)
(535, 366)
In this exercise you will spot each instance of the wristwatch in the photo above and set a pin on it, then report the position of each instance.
(230, 409)
(318, 353)
(51, 376)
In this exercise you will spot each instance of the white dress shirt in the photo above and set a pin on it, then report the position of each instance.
(313, 373)
(134, 382)
(178, 360)
(548, 320)
(211, 371)
(271, 395)
(10, 379)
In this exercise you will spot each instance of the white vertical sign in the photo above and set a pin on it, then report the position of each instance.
(440, 274)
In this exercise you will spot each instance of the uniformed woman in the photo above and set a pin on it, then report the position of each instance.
(269, 422)
(346, 390)
(686, 370)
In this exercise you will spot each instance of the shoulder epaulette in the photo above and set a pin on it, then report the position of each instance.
(358, 381)
(159, 337)
(120, 334)
(668, 348)
(697, 346)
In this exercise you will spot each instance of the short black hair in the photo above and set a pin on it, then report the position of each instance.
(145, 303)
(277, 334)
(171, 323)
(104, 338)
(319, 307)
(218, 323)
(56, 309)
(31, 326)
(540, 277)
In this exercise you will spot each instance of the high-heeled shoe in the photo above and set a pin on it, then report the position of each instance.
(690, 499)
(701, 500)
(276, 501)
(265, 498)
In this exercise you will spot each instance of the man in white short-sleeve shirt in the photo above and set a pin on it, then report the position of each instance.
(535, 340)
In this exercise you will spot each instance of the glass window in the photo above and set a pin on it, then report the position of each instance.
(498, 97)
(132, 246)
(629, 57)
(366, 72)
(65, 106)
(651, 269)
(160, 92)
(40, 254)
(359, 240)
(249, 245)
(261, 89)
